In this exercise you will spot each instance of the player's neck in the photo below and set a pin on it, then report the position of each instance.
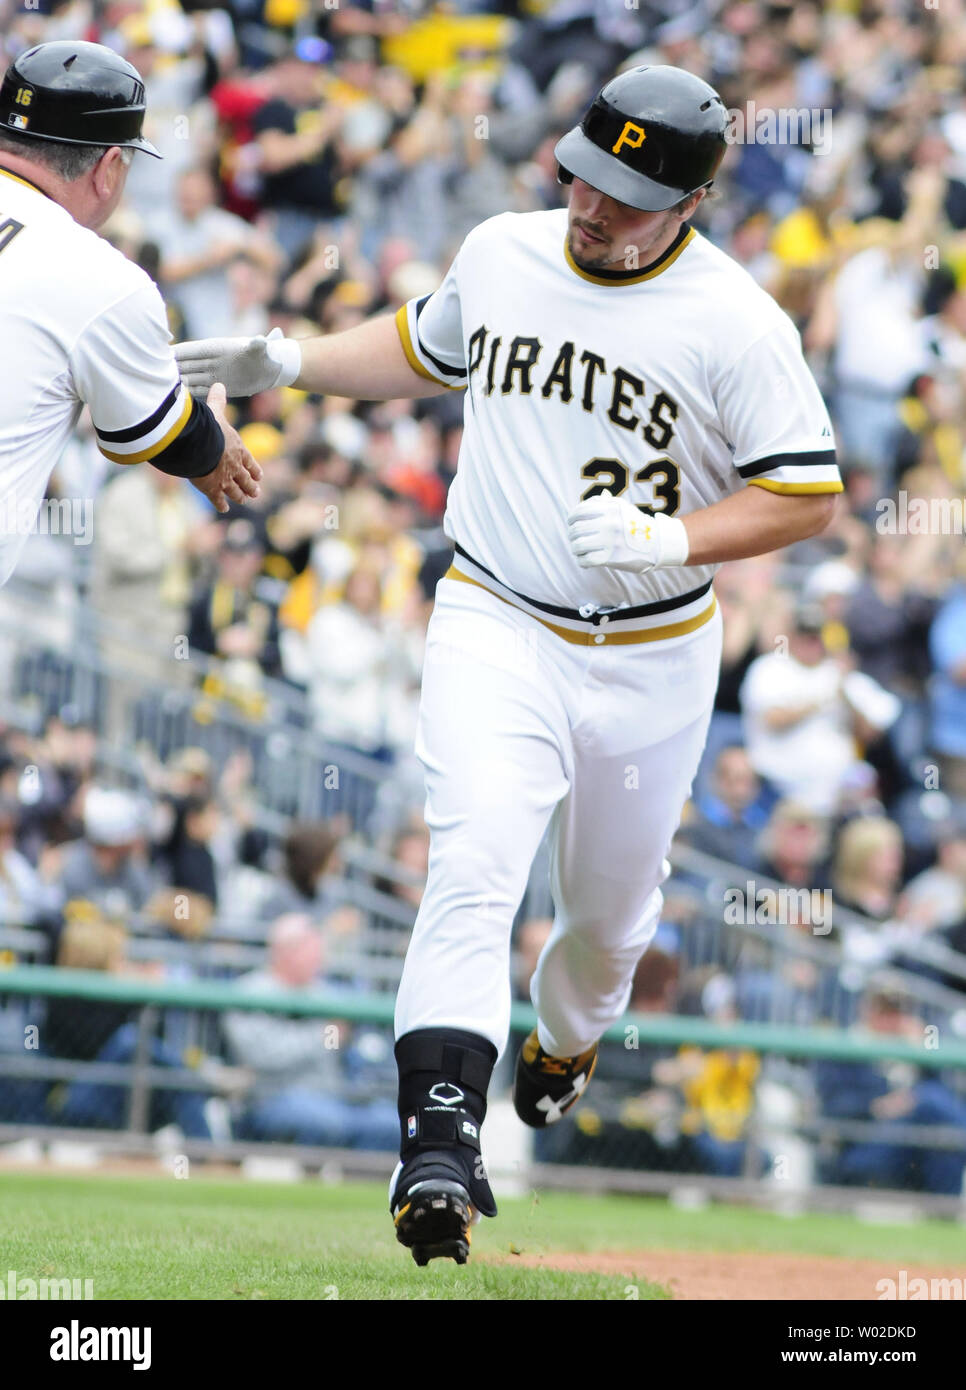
(647, 260)
(655, 252)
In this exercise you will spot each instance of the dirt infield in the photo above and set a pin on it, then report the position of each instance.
(696, 1275)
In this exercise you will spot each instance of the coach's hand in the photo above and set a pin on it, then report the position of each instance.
(236, 475)
(611, 531)
(244, 365)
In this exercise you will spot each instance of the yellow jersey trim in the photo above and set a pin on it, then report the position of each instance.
(402, 326)
(598, 636)
(155, 449)
(631, 279)
(7, 174)
(795, 489)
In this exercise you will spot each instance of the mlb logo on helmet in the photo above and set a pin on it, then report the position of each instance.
(20, 122)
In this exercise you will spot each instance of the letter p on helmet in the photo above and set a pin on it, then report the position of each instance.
(630, 129)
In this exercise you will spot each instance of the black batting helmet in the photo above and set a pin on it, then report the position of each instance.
(76, 93)
(650, 137)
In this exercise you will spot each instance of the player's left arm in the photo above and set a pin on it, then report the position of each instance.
(772, 416)
(752, 522)
(611, 531)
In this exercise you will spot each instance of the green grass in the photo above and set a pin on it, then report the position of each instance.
(163, 1238)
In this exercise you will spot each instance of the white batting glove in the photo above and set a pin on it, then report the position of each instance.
(245, 366)
(611, 531)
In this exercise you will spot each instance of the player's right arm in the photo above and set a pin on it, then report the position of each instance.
(368, 362)
(416, 352)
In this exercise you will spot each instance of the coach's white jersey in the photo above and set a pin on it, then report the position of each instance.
(674, 385)
(79, 323)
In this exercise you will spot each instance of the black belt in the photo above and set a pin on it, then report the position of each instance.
(640, 610)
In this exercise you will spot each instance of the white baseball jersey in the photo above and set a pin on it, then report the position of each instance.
(675, 385)
(79, 323)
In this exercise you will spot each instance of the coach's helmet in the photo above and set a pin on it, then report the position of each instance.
(77, 93)
(650, 137)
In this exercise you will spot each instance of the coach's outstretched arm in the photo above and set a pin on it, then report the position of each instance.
(366, 363)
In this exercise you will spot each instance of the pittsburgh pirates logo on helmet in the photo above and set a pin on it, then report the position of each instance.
(650, 138)
(630, 128)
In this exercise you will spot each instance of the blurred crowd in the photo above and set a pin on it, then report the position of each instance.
(322, 164)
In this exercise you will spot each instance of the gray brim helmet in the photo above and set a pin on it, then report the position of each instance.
(651, 137)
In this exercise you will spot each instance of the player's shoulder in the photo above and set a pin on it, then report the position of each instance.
(733, 300)
(520, 228)
(734, 285)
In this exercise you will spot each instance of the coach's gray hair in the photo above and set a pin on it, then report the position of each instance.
(68, 162)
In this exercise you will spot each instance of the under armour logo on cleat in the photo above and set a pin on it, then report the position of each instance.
(554, 1109)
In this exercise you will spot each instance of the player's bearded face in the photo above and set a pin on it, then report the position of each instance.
(605, 234)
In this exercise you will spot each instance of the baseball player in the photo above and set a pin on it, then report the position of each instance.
(637, 411)
(79, 322)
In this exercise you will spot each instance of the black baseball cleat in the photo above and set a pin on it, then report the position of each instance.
(440, 1187)
(431, 1209)
(545, 1087)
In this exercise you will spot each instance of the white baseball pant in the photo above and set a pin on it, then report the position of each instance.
(518, 729)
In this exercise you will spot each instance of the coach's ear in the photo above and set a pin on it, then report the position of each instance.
(109, 172)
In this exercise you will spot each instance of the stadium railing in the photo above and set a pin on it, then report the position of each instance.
(577, 1162)
(290, 771)
(765, 960)
(112, 678)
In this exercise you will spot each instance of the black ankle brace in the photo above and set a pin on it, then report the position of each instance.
(444, 1074)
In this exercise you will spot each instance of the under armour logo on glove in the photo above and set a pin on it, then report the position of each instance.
(610, 531)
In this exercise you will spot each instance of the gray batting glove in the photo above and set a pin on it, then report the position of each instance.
(245, 366)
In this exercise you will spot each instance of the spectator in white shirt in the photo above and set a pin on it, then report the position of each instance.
(877, 298)
(23, 895)
(361, 669)
(803, 711)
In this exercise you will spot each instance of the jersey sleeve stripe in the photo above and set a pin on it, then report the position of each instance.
(402, 326)
(816, 458)
(797, 489)
(127, 436)
(443, 367)
(143, 455)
